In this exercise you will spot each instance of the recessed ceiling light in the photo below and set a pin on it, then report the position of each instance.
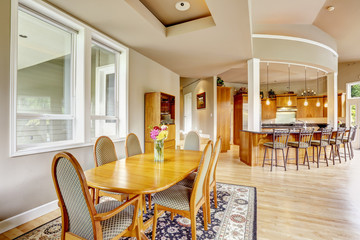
(182, 5)
(22, 36)
(330, 8)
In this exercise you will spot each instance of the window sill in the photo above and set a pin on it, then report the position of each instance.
(57, 148)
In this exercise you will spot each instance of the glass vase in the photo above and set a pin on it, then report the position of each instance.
(159, 150)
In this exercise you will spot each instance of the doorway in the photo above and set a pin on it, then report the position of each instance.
(188, 112)
(353, 109)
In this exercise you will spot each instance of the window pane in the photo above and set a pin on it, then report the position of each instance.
(103, 82)
(44, 67)
(352, 115)
(32, 131)
(103, 127)
(355, 91)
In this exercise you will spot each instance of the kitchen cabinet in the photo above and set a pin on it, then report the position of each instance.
(224, 116)
(283, 99)
(239, 101)
(268, 111)
(341, 105)
(311, 110)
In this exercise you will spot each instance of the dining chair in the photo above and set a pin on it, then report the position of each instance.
(132, 147)
(81, 219)
(335, 144)
(192, 141)
(187, 201)
(279, 141)
(324, 141)
(304, 142)
(189, 180)
(104, 152)
(346, 140)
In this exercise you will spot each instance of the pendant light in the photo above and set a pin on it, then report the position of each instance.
(289, 102)
(267, 84)
(306, 102)
(317, 88)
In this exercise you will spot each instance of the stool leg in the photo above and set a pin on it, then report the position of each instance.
(272, 151)
(318, 153)
(297, 158)
(284, 160)
(307, 157)
(275, 157)
(332, 153)
(264, 156)
(352, 150)
(338, 152)
(350, 155)
(327, 163)
(345, 151)
(314, 153)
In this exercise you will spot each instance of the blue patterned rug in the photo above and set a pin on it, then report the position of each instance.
(235, 218)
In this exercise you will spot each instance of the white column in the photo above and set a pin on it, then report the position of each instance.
(254, 104)
(332, 99)
(215, 107)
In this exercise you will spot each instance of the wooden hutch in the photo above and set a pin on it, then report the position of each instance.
(159, 109)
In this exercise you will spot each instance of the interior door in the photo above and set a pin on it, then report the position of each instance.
(187, 112)
(354, 118)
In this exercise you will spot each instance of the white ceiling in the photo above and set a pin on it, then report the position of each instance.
(226, 46)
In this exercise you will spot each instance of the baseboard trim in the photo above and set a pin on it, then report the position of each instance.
(27, 216)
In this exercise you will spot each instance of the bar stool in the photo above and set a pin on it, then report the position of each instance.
(335, 144)
(304, 142)
(324, 141)
(346, 140)
(280, 141)
(353, 139)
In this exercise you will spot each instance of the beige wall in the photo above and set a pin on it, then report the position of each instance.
(348, 72)
(202, 119)
(26, 181)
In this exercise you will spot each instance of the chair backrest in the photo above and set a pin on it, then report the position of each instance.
(213, 166)
(339, 134)
(305, 136)
(354, 133)
(104, 151)
(192, 141)
(201, 180)
(280, 137)
(325, 136)
(348, 134)
(75, 201)
(132, 145)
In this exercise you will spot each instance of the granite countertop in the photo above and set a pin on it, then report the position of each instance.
(290, 125)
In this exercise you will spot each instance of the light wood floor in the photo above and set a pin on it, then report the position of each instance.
(316, 204)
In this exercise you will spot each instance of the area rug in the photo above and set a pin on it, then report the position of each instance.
(234, 219)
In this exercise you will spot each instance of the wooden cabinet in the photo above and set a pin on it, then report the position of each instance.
(239, 100)
(268, 111)
(283, 99)
(224, 116)
(159, 108)
(341, 105)
(311, 110)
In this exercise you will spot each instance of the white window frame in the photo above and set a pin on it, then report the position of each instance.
(81, 96)
(348, 89)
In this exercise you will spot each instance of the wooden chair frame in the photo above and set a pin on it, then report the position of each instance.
(100, 193)
(278, 134)
(194, 208)
(335, 147)
(96, 218)
(305, 136)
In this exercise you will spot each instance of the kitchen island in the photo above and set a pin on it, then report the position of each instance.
(251, 148)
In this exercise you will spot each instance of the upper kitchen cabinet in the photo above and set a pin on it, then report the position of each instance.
(282, 100)
(311, 110)
(268, 111)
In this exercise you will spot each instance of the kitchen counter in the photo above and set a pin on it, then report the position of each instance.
(291, 125)
(251, 148)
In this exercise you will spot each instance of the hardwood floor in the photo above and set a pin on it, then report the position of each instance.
(320, 203)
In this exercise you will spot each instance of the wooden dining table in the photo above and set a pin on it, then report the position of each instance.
(140, 174)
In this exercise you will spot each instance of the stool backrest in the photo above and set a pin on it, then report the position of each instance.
(352, 137)
(280, 137)
(305, 136)
(326, 134)
(339, 134)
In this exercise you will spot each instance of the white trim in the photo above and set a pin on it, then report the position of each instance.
(215, 107)
(295, 64)
(304, 40)
(27, 216)
(348, 90)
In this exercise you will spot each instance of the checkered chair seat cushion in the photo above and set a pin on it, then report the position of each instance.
(188, 181)
(277, 145)
(176, 197)
(115, 225)
(317, 143)
(332, 141)
(296, 144)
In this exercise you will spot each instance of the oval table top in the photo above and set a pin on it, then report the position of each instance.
(139, 174)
